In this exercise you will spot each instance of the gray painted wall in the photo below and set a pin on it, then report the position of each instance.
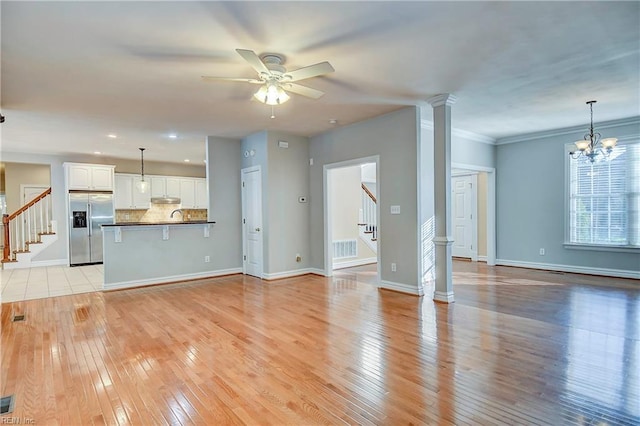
(288, 219)
(531, 202)
(394, 137)
(285, 177)
(225, 204)
(143, 255)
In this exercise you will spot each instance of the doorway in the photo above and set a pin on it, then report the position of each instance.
(352, 237)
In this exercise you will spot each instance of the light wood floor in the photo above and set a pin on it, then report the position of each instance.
(517, 347)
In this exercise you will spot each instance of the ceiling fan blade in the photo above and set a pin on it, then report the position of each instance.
(253, 59)
(244, 80)
(303, 90)
(310, 71)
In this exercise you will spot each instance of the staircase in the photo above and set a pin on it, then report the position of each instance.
(28, 231)
(368, 219)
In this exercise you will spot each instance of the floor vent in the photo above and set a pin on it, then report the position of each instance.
(6, 404)
(345, 248)
(17, 318)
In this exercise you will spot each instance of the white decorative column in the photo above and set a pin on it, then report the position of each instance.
(442, 187)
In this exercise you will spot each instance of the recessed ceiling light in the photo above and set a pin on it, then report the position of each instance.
(97, 152)
(186, 160)
(112, 135)
(172, 136)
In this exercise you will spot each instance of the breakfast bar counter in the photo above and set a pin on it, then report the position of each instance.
(138, 254)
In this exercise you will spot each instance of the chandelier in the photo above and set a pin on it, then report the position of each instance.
(591, 146)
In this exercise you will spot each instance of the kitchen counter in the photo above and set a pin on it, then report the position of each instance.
(188, 222)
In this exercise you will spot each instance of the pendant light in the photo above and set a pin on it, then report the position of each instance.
(142, 184)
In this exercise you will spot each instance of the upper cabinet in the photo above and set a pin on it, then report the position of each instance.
(126, 194)
(89, 177)
(202, 195)
(165, 186)
(191, 191)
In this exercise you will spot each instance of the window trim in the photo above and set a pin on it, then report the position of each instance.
(569, 147)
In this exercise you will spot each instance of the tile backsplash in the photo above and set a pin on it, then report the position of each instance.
(160, 213)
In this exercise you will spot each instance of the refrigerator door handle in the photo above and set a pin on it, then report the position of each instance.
(89, 218)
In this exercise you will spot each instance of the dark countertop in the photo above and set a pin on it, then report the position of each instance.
(189, 222)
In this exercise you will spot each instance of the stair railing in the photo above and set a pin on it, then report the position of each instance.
(369, 216)
(26, 225)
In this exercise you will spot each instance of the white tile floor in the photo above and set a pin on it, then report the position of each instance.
(50, 281)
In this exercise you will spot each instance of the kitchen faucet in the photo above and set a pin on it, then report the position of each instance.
(177, 211)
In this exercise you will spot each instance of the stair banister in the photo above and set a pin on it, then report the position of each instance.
(20, 239)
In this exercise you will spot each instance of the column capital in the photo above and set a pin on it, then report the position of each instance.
(444, 99)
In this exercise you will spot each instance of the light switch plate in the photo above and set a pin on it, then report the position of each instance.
(395, 209)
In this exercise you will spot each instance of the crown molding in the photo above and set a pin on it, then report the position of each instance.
(567, 130)
(459, 133)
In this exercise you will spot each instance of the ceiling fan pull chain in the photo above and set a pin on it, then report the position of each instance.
(273, 114)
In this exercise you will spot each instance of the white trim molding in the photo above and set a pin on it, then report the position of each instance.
(352, 263)
(443, 99)
(460, 133)
(402, 288)
(567, 130)
(618, 273)
(170, 279)
(287, 274)
(444, 297)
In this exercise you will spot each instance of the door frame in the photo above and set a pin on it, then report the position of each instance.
(243, 172)
(491, 206)
(24, 186)
(474, 210)
(328, 237)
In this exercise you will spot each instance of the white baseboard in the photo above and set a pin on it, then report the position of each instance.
(289, 274)
(173, 278)
(54, 262)
(619, 273)
(482, 258)
(403, 288)
(317, 271)
(352, 263)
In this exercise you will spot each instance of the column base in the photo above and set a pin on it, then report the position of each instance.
(443, 297)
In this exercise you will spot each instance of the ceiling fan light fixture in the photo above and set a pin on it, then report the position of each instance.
(271, 94)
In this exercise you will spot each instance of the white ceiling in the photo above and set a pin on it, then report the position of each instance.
(73, 72)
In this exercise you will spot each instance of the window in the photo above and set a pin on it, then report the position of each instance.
(604, 199)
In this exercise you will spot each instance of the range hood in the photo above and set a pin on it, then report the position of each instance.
(165, 200)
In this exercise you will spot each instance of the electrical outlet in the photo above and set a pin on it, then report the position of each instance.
(298, 257)
(207, 259)
(393, 267)
(541, 252)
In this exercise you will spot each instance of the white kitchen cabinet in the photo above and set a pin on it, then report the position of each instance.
(188, 193)
(202, 196)
(123, 191)
(89, 177)
(126, 194)
(165, 186)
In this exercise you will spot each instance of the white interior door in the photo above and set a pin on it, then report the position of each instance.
(29, 192)
(252, 221)
(464, 216)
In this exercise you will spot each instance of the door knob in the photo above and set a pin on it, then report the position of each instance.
(257, 229)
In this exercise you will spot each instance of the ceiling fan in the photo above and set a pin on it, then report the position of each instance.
(274, 78)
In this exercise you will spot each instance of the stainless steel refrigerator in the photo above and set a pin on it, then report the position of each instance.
(87, 211)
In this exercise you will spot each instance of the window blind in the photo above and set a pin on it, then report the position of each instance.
(604, 205)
